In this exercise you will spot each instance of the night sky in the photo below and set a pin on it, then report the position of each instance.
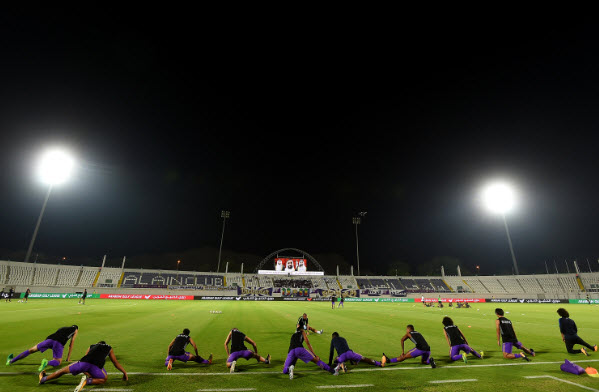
(295, 126)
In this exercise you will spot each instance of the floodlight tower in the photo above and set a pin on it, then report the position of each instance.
(55, 167)
(499, 198)
(356, 220)
(225, 215)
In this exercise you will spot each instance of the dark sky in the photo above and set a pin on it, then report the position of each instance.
(295, 126)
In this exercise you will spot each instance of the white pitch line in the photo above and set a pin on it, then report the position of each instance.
(447, 381)
(344, 386)
(226, 390)
(565, 381)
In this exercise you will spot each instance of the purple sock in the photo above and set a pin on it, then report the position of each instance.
(477, 355)
(377, 363)
(200, 360)
(53, 362)
(324, 366)
(20, 356)
(89, 381)
(393, 360)
(43, 380)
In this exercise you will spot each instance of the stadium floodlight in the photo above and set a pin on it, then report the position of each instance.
(225, 215)
(54, 168)
(499, 198)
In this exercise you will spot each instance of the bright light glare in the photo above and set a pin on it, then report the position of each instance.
(55, 167)
(499, 197)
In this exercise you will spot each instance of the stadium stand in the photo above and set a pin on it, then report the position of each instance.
(60, 278)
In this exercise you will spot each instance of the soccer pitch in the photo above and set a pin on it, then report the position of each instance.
(140, 332)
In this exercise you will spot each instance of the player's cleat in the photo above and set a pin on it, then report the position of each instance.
(584, 351)
(433, 363)
(482, 354)
(291, 372)
(337, 368)
(232, 370)
(169, 366)
(532, 352)
(210, 359)
(595, 347)
(524, 357)
(267, 359)
(384, 360)
(320, 332)
(43, 365)
(11, 356)
(464, 358)
(41, 376)
(81, 383)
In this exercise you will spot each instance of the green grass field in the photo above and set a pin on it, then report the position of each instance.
(140, 332)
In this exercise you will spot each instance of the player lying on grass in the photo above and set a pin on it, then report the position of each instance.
(422, 349)
(92, 365)
(346, 354)
(505, 329)
(238, 349)
(302, 323)
(56, 342)
(297, 351)
(569, 332)
(176, 351)
(457, 341)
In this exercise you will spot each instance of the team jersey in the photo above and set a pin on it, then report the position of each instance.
(567, 326)
(455, 337)
(84, 294)
(303, 322)
(63, 334)
(237, 339)
(178, 347)
(297, 340)
(417, 338)
(507, 330)
(97, 354)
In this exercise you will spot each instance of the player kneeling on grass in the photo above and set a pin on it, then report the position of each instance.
(457, 341)
(297, 351)
(56, 342)
(345, 354)
(569, 332)
(302, 323)
(92, 365)
(506, 330)
(422, 349)
(176, 350)
(238, 349)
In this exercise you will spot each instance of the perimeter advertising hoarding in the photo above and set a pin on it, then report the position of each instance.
(454, 300)
(59, 295)
(527, 301)
(146, 296)
(337, 292)
(583, 301)
(380, 299)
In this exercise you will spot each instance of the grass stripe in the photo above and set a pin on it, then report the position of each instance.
(226, 390)
(344, 386)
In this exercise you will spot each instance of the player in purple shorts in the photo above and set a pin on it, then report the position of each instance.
(55, 342)
(457, 341)
(238, 349)
(92, 365)
(422, 349)
(176, 351)
(505, 329)
(346, 354)
(297, 351)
